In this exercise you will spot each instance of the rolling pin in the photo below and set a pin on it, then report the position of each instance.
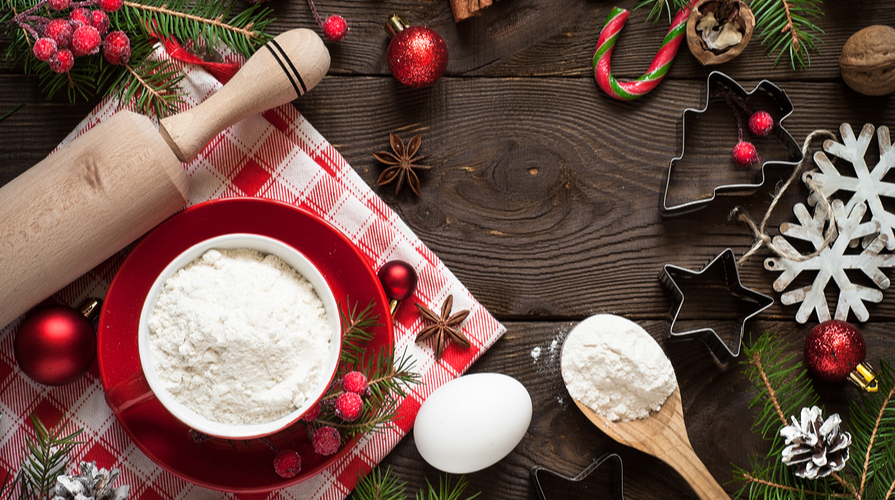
(97, 194)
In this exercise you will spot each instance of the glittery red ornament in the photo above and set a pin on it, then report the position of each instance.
(835, 351)
(417, 55)
(398, 281)
(55, 345)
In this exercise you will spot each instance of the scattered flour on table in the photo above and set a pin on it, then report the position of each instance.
(613, 366)
(239, 337)
(536, 353)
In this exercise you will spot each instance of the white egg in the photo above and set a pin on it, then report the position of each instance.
(472, 422)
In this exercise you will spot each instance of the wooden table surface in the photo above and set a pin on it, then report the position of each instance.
(544, 197)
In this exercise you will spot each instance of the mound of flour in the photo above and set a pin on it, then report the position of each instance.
(239, 337)
(615, 368)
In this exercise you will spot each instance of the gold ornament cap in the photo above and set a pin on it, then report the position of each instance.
(864, 377)
(395, 25)
(90, 308)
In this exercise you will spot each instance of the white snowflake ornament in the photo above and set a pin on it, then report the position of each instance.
(867, 186)
(831, 262)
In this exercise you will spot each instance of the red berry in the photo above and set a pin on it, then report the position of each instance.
(287, 463)
(81, 16)
(85, 41)
(349, 406)
(44, 48)
(58, 4)
(110, 5)
(59, 30)
(326, 440)
(355, 382)
(100, 21)
(62, 61)
(312, 414)
(744, 154)
(117, 48)
(335, 28)
(761, 123)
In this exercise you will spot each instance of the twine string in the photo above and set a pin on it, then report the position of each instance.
(758, 230)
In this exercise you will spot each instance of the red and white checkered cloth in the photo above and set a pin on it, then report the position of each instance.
(278, 156)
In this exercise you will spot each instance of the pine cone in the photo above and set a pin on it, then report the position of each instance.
(815, 447)
(91, 484)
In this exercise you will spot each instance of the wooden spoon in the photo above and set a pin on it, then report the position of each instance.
(663, 435)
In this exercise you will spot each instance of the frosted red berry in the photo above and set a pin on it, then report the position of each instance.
(287, 463)
(117, 48)
(355, 382)
(744, 154)
(44, 48)
(80, 17)
(59, 30)
(761, 123)
(61, 61)
(110, 5)
(349, 406)
(335, 28)
(85, 41)
(100, 21)
(312, 414)
(58, 4)
(326, 440)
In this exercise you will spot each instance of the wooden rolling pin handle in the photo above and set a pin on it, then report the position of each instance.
(284, 69)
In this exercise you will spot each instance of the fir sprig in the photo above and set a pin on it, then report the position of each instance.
(357, 328)
(386, 486)
(659, 7)
(46, 457)
(785, 28)
(151, 84)
(783, 389)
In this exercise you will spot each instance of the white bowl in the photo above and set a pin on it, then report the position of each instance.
(264, 245)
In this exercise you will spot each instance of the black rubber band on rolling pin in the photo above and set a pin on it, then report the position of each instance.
(280, 56)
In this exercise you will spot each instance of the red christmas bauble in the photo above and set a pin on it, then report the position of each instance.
(417, 55)
(833, 349)
(55, 345)
(398, 279)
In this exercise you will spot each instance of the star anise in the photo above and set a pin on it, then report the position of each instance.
(444, 326)
(401, 163)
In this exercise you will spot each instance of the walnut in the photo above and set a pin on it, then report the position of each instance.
(867, 62)
(718, 30)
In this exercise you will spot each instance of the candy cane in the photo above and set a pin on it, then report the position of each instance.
(627, 91)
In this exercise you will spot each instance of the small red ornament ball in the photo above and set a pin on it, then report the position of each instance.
(417, 56)
(398, 279)
(61, 61)
(287, 463)
(335, 28)
(833, 349)
(44, 48)
(55, 345)
(117, 48)
(761, 123)
(744, 154)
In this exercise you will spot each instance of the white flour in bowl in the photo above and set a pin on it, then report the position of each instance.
(614, 367)
(239, 337)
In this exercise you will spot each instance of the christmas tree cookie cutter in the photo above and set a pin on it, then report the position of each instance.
(698, 292)
(716, 80)
(616, 471)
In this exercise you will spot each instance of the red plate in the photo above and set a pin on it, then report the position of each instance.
(244, 466)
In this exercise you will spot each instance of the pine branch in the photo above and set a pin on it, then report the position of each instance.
(445, 492)
(46, 458)
(873, 430)
(356, 328)
(661, 6)
(380, 486)
(785, 28)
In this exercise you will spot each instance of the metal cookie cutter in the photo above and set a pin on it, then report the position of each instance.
(717, 80)
(616, 470)
(719, 276)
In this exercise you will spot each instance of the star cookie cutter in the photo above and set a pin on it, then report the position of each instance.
(720, 273)
(616, 472)
(716, 80)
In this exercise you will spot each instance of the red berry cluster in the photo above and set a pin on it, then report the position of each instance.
(761, 123)
(81, 33)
